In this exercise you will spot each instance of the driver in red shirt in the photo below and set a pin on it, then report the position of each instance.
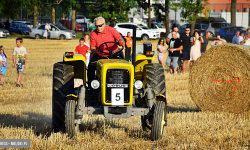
(102, 34)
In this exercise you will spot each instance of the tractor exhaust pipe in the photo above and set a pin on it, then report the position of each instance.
(134, 46)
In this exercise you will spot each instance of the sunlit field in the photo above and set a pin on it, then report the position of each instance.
(25, 112)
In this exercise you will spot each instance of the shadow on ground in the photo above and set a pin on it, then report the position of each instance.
(182, 109)
(41, 124)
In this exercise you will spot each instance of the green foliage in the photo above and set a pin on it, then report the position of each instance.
(9, 8)
(112, 10)
(191, 9)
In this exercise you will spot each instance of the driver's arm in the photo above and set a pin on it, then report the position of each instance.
(122, 40)
(93, 50)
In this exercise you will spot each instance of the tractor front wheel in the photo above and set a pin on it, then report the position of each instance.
(158, 121)
(70, 122)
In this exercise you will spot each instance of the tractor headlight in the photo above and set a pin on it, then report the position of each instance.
(95, 84)
(138, 84)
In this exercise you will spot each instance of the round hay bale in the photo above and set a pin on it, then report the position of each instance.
(219, 80)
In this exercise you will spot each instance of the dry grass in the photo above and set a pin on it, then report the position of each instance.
(26, 112)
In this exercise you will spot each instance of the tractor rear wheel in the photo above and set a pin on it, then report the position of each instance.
(70, 122)
(158, 121)
(63, 84)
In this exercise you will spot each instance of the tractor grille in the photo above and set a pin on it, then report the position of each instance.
(118, 78)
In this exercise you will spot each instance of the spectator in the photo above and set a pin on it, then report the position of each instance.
(195, 51)
(235, 39)
(160, 51)
(173, 26)
(7, 25)
(185, 39)
(3, 64)
(241, 37)
(170, 34)
(128, 45)
(248, 30)
(1, 24)
(83, 28)
(19, 59)
(218, 41)
(204, 44)
(47, 29)
(38, 23)
(246, 40)
(82, 48)
(88, 55)
(174, 48)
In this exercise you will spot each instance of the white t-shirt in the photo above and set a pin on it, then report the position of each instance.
(247, 42)
(170, 35)
(19, 54)
(240, 39)
(235, 40)
(47, 27)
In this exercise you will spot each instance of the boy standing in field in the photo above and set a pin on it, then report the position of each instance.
(19, 60)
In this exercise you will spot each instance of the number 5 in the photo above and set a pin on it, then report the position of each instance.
(117, 97)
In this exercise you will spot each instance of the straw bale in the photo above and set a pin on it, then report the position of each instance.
(222, 62)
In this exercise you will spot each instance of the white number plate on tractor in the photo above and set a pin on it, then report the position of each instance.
(117, 96)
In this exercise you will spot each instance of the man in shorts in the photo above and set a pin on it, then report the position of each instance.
(186, 42)
(19, 56)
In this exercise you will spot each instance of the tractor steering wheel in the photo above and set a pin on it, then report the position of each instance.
(110, 53)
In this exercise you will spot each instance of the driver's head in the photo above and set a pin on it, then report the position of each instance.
(100, 24)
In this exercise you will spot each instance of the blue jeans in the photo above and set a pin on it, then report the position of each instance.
(202, 53)
(173, 59)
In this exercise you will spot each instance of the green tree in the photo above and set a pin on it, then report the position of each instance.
(233, 12)
(53, 4)
(71, 5)
(34, 6)
(191, 9)
(113, 10)
(9, 8)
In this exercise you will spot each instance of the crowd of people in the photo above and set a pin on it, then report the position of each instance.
(241, 39)
(187, 47)
(182, 49)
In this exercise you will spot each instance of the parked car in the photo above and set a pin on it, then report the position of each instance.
(208, 20)
(142, 31)
(57, 32)
(68, 24)
(200, 26)
(228, 33)
(4, 33)
(157, 26)
(28, 23)
(19, 28)
(214, 27)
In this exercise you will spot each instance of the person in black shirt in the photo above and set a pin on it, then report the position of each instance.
(174, 48)
(186, 42)
(204, 44)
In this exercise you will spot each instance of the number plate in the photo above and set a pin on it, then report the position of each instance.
(117, 96)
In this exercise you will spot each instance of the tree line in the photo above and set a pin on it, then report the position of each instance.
(116, 10)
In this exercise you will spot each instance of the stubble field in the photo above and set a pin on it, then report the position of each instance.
(25, 113)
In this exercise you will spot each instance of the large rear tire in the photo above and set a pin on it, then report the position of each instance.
(63, 84)
(71, 126)
(158, 121)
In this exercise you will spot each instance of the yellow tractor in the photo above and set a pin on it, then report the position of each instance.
(120, 90)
